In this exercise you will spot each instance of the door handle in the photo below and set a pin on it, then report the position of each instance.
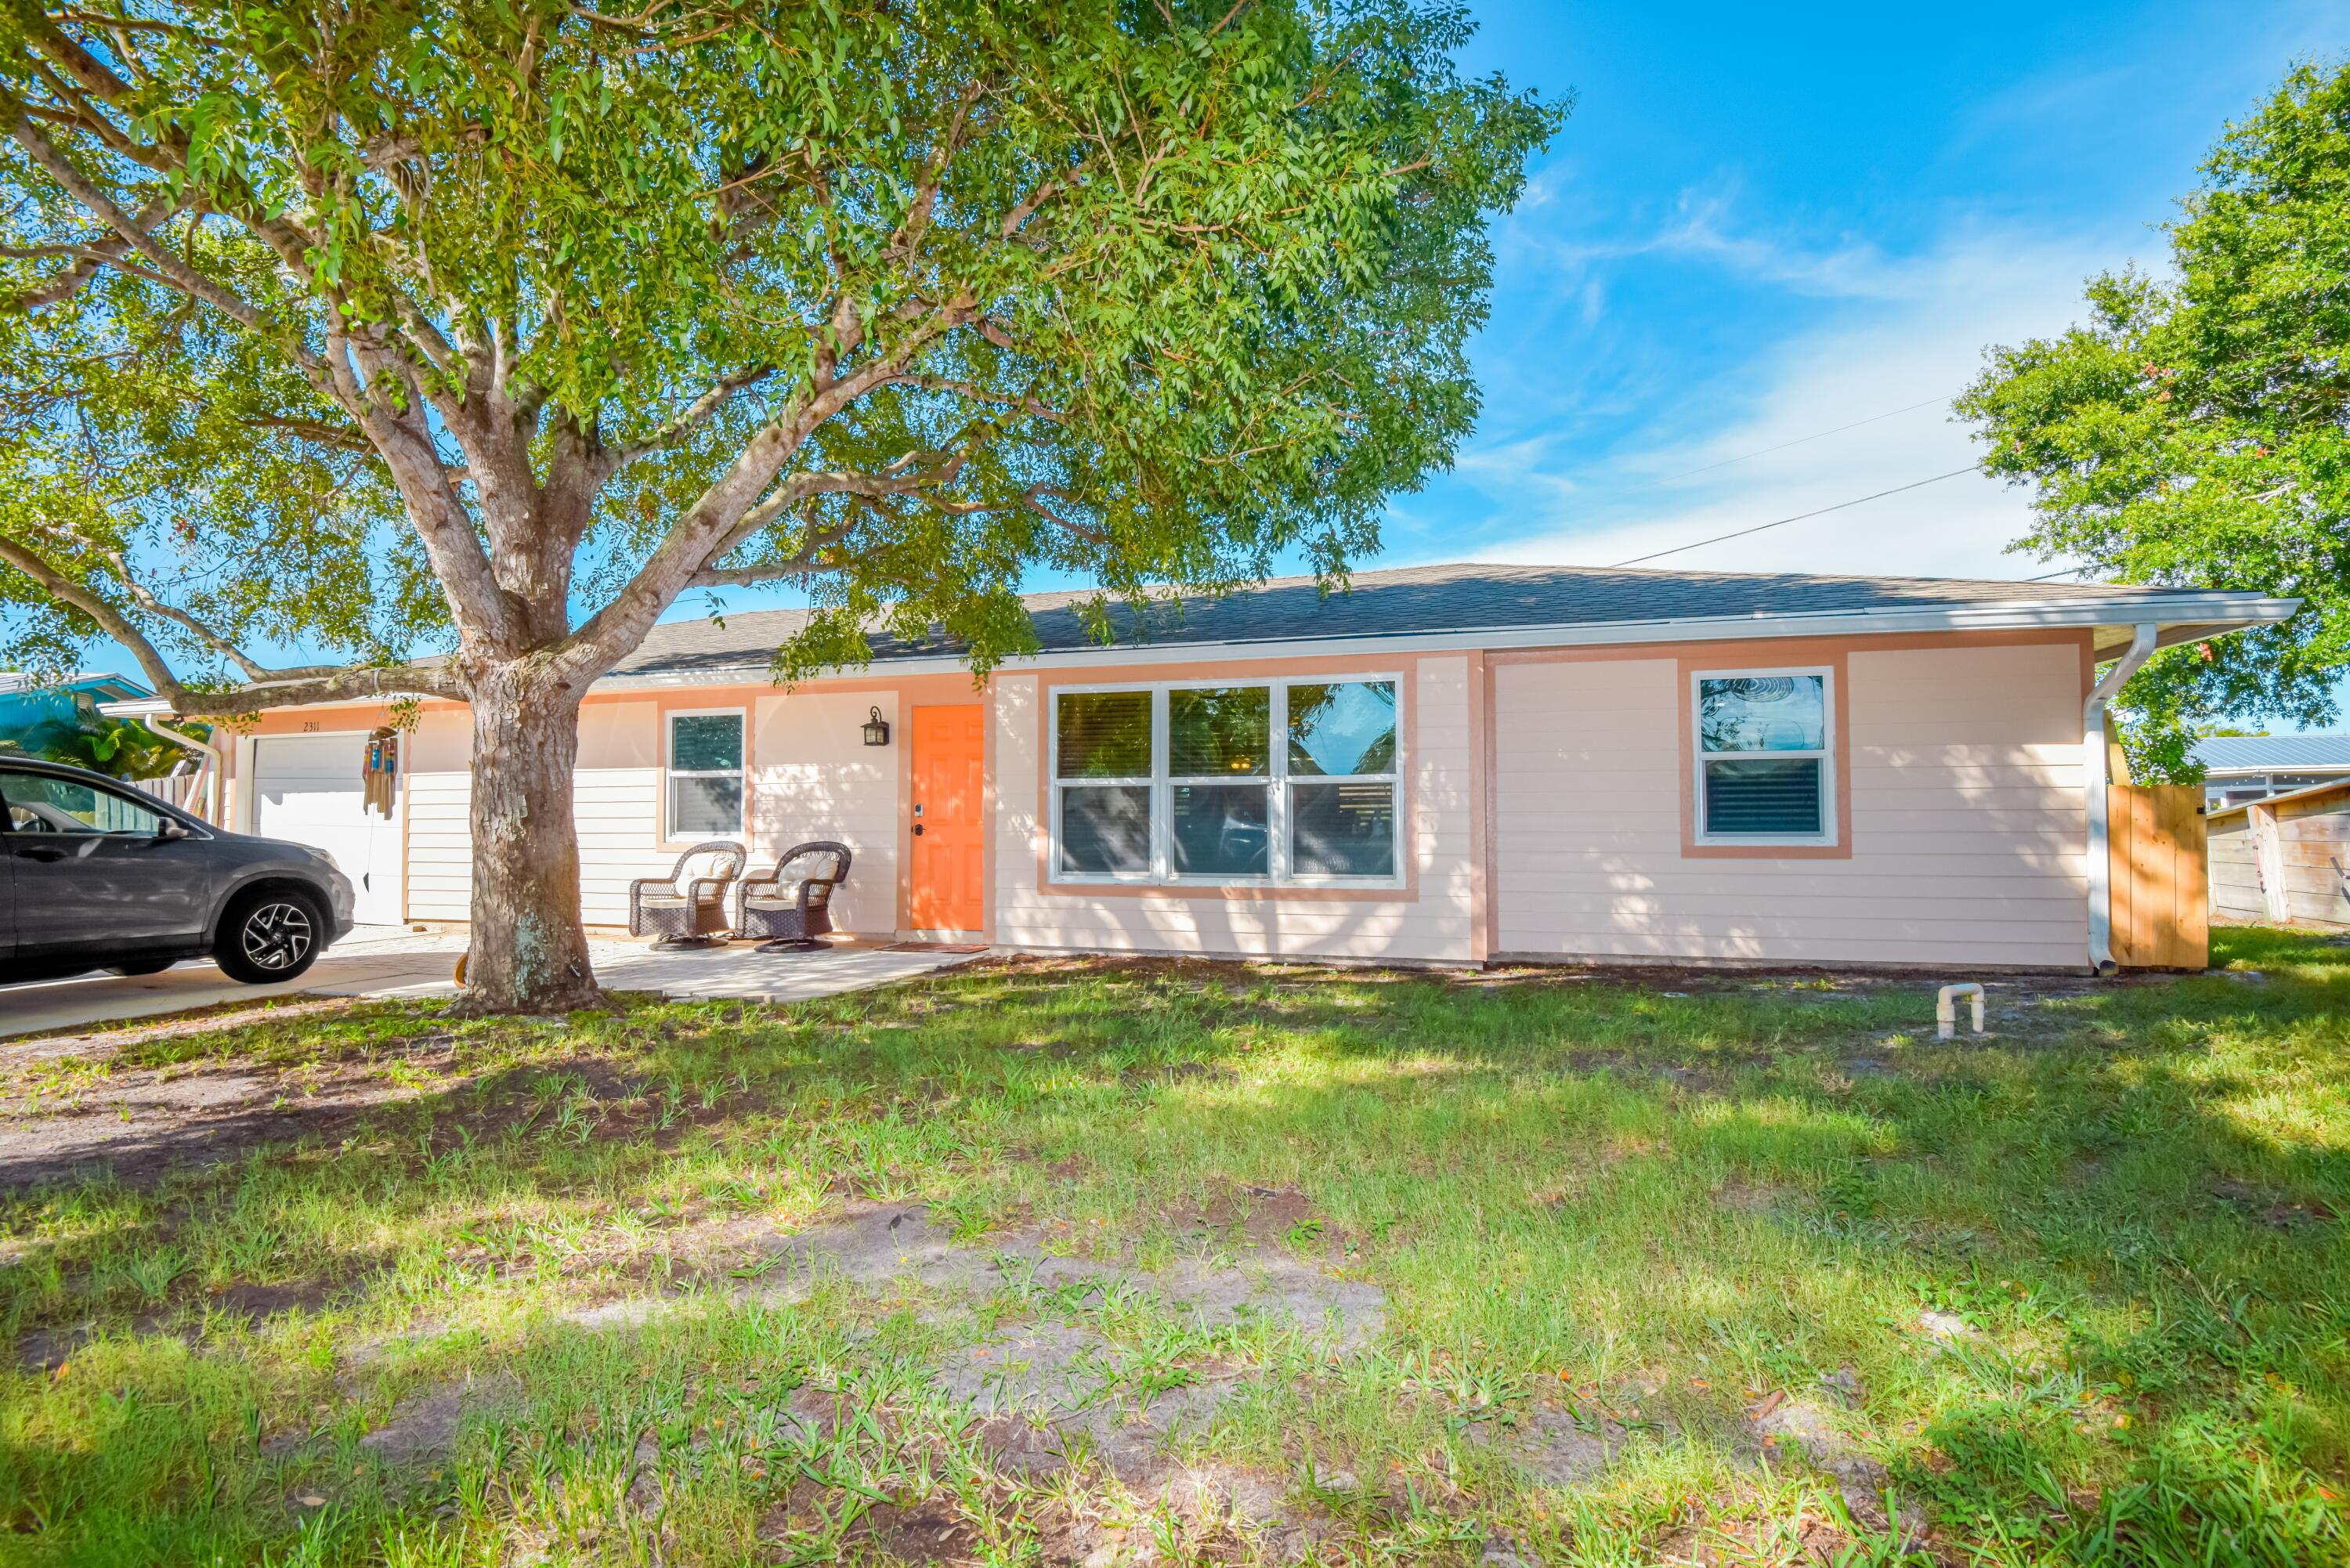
(44, 853)
(917, 830)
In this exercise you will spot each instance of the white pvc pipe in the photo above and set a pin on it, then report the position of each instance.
(211, 765)
(2093, 782)
(1946, 1008)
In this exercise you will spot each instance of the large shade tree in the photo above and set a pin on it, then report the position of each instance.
(487, 328)
(2195, 430)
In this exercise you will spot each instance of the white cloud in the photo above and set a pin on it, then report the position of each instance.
(1910, 330)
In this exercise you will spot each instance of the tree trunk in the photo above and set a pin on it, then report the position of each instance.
(529, 953)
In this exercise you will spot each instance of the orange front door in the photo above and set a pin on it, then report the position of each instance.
(948, 891)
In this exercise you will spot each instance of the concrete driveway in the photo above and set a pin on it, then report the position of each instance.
(393, 961)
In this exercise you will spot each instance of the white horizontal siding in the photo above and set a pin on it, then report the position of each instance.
(616, 803)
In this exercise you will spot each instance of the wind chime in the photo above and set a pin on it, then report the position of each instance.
(381, 767)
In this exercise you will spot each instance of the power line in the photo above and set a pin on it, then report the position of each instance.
(1817, 435)
(1798, 517)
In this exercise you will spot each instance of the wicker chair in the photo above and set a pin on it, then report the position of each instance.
(790, 907)
(687, 908)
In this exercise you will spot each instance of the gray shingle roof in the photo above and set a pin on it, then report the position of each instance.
(2259, 753)
(1405, 600)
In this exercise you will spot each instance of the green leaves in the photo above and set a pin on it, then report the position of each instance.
(2192, 431)
(1144, 294)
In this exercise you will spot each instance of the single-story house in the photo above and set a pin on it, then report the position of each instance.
(2284, 859)
(2238, 768)
(1447, 765)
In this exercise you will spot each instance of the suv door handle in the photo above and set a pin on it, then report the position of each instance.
(40, 852)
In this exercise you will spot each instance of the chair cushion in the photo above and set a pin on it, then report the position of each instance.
(709, 864)
(782, 896)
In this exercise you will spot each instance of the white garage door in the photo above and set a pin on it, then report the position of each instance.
(308, 788)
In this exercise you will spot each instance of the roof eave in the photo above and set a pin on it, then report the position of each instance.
(2300, 793)
(2183, 618)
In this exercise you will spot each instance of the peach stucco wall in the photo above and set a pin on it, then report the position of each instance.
(1964, 836)
(1546, 797)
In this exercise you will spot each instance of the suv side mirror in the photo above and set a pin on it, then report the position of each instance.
(170, 830)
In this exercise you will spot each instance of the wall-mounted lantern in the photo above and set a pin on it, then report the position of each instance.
(877, 730)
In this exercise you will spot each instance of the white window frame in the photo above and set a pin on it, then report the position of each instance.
(670, 834)
(1161, 871)
(1825, 754)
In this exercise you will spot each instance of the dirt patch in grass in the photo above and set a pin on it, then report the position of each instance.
(1743, 1197)
(1558, 1448)
(140, 1123)
(425, 1424)
(1263, 1217)
(15, 1049)
(258, 1303)
(2277, 1211)
(932, 1531)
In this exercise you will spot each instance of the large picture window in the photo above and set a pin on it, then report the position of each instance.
(1269, 781)
(706, 779)
(1766, 742)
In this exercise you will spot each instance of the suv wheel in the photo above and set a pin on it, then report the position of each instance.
(270, 936)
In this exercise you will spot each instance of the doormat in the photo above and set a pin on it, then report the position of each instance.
(936, 948)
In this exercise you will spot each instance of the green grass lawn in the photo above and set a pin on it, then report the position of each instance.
(1759, 1272)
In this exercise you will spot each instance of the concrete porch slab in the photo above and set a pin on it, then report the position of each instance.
(393, 962)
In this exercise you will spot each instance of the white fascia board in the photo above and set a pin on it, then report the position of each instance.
(2216, 612)
(161, 707)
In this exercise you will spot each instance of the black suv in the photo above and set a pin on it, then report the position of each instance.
(98, 876)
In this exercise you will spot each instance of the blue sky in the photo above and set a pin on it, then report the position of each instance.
(1764, 222)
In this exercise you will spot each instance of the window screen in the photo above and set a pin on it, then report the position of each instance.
(1762, 745)
(705, 775)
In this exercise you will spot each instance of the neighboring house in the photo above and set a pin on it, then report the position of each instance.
(26, 701)
(2284, 860)
(2238, 768)
(1449, 764)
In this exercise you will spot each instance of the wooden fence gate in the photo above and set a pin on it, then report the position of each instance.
(2162, 913)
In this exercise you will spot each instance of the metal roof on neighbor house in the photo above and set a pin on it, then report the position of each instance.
(1470, 599)
(2264, 753)
(2338, 789)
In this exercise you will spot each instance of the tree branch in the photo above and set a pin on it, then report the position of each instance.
(183, 276)
(279, 688)
(254, 670)
(978, 394)
(714, 521)
(94, 255)
(690, 419)
(318, 431)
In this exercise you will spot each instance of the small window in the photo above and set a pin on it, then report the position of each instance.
(1763, 748)
(706, 782)
(39, 804)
